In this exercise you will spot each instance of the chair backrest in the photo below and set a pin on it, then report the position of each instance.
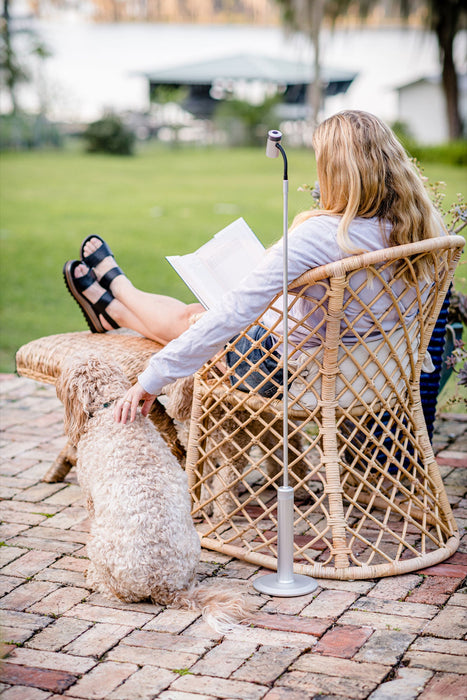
(369, 496)
(358, 331)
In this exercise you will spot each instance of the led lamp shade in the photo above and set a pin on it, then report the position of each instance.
(274, 138)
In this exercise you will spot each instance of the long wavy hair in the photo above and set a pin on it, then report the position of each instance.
(364, 171)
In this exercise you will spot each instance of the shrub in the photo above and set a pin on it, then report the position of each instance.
(25, 132)
(449, 153)
(109, 135)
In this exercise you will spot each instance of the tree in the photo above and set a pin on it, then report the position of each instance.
(12, 73)
(15, 68)
(444, 17)
(308, 16)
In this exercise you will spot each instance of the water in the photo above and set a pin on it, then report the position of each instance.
(99, 66)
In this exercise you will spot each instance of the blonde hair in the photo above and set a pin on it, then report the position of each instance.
(364, 171)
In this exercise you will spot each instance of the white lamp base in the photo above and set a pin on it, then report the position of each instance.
(299, 585)
(284, 582)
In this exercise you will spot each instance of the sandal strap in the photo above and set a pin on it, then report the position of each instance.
(84, 282)
(106, 279)
(98, 255)
(100, 307)
(110, 320)
(102, 303)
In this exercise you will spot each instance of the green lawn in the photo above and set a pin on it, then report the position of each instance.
(157, 203)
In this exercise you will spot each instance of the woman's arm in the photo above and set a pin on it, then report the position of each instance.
(311, 244)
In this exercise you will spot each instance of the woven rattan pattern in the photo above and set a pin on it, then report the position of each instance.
(369, 499)
(43, 358)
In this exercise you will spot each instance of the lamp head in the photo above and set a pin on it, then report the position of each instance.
(274, 138)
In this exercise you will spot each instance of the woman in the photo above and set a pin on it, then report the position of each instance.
(371, 198)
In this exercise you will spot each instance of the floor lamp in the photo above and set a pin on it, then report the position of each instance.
(284, 583)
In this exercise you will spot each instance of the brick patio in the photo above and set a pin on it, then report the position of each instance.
(400, 637)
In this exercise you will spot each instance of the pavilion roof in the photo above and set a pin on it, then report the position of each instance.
(248, 67)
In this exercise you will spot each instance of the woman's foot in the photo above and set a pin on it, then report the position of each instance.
(95, 302)
(96, 254)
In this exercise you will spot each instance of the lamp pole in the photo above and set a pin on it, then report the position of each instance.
(284, 583)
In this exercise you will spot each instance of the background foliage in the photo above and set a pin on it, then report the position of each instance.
(109, 135)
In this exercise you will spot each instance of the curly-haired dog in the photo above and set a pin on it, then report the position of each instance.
(142, 542)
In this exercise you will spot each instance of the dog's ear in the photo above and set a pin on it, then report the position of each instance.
(84, 386)
(179, 398)
(75, 391)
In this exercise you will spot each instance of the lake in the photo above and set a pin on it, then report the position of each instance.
(94, 67)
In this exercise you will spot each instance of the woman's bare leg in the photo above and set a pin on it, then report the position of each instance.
(156, 316)
(116, 310)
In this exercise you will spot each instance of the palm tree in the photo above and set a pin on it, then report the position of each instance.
(444, 17)
(308, 16)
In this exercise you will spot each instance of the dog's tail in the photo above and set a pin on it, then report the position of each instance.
(222, 610)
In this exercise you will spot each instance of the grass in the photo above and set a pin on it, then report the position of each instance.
(160, 202)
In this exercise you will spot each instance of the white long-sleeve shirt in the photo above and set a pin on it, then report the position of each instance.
(311, 244)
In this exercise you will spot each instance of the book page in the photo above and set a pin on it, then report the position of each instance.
(220, 264)
(196, 276)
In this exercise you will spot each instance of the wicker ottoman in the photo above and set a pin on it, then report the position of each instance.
(42, 360)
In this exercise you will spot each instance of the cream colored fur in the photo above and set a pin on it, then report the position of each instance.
(142, 541)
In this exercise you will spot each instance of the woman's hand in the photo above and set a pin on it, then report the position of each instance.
(126, 407)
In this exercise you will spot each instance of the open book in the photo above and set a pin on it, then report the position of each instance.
(221, 263)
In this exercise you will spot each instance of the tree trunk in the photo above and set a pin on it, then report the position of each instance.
(445, 28)
(451, 92)
(8, 63)
(315, 92)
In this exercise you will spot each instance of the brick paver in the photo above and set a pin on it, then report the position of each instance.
(58, 634)
(444, 685)
(395, 587)
(318, 684)
(266, 664)
(153, 657)
(393, 607)
(343, 641)
(220, 687)
(330, 604)
(26, 595)
(224, 659)
(55, 661)
(44, 679)
(22, 692)
(406, 686)
(397, 638)
(450, 623)
(145, 684)
(439, 662)
(102, 680)
(435, 589)
(385, 647)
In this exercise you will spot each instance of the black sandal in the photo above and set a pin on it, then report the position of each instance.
(96, 257)
(91, 312)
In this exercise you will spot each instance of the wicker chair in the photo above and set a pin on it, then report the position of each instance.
(42, 360)
(369, 499)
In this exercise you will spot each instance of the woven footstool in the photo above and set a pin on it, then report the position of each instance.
(43, 359)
